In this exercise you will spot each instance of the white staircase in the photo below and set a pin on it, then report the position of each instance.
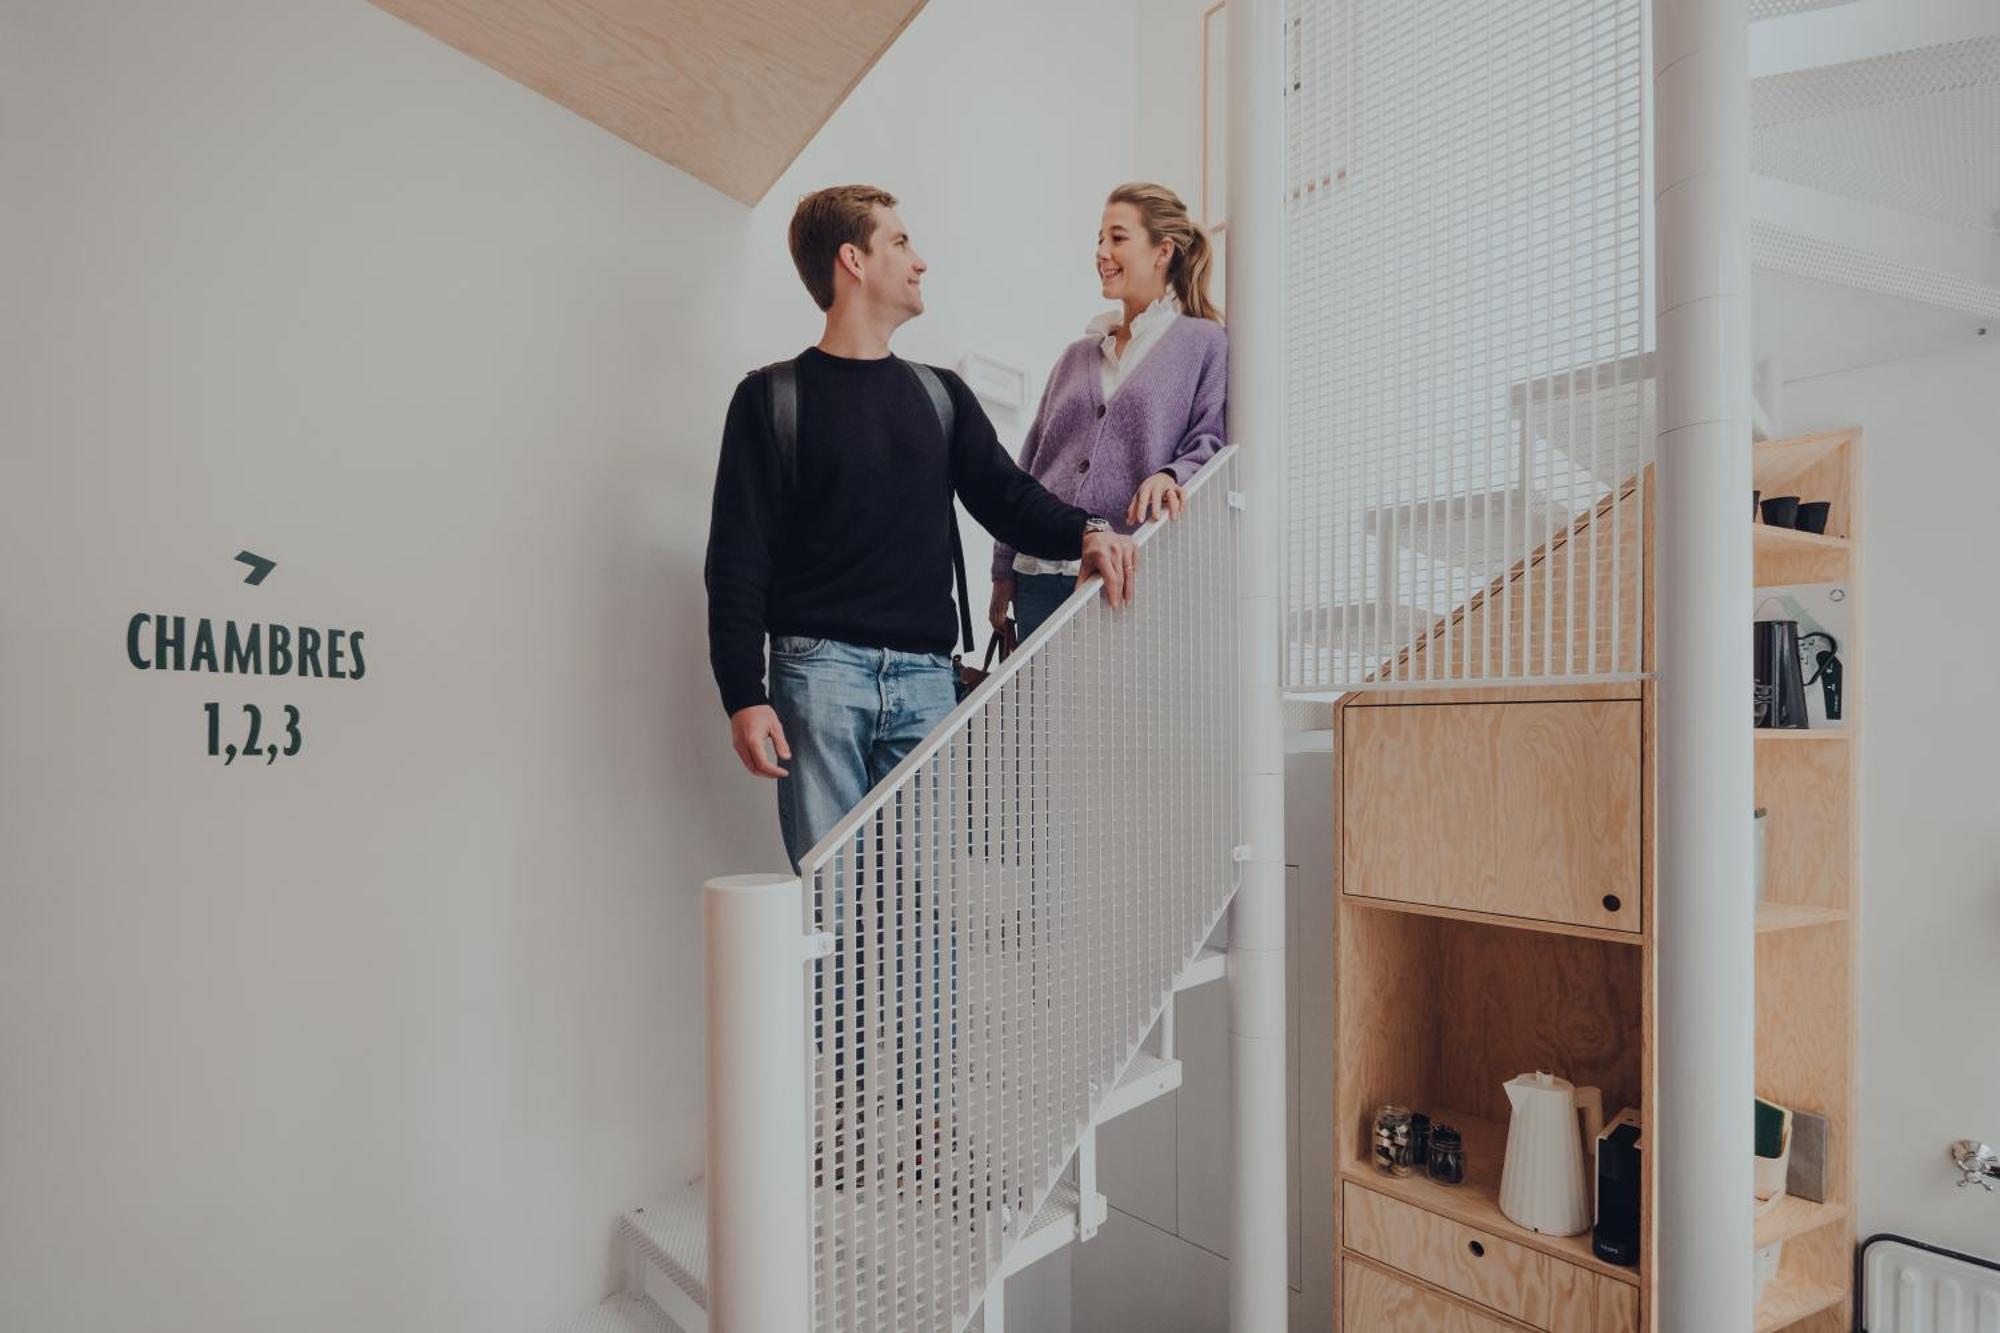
(912, 1043)
(667, 1239)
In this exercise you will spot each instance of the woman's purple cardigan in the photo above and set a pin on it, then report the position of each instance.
(1165, 417)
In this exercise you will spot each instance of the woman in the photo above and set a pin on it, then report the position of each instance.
(1134, 408)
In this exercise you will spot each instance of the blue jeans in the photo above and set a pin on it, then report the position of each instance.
(1037, 596)
(851, 715)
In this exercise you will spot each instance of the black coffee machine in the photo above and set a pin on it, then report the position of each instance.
(1781, 689)
(1615, 1237)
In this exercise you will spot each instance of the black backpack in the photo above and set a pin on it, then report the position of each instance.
(781, 383)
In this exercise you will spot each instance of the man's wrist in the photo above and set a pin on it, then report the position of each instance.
(1095, 524)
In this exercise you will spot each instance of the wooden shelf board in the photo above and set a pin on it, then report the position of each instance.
(1790, 1298)
(1769, 538)
(1793, 916)
(1800, 450)
(1795, 1217)
(1795, 735)
(1495, 919)
(1476, 1203)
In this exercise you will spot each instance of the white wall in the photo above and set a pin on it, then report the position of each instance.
(385, 1035)
(1930, 860)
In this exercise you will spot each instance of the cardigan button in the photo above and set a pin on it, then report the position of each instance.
(1084, 466)
(1100, 409)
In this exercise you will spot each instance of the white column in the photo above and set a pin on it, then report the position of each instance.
(1702, 1141)
(1259, 1270)
(759, 1183)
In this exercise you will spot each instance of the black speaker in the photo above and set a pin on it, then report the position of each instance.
(1615, 1238)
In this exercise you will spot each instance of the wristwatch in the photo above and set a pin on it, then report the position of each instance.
(1096, 524)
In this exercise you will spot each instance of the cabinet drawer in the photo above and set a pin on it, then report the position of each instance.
(1371, 1301)
(1519, 809)
(1467, 1262)
(1617, 1307)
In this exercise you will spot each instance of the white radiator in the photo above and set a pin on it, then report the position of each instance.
(1910, 1288)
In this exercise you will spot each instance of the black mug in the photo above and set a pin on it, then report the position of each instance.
(1781, 511)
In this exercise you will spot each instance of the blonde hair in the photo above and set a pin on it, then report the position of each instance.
(1166, 218)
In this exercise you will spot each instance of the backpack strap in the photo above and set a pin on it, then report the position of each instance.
(781, 390)
(940, 397)
(948, 419)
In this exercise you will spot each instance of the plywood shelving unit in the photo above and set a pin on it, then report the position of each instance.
(1458, 971)
(1808, 781)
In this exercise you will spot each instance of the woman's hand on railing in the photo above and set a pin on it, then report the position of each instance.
(750, 730)
(997, 609)
(1113, 558)
(1159, 496)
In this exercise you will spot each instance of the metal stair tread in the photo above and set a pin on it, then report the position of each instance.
(1211, 964)
(622, 1314)
(673, 1233)
(1063, 1203)
(1146, 1077)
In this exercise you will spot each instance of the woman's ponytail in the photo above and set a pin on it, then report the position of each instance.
(1166, 219)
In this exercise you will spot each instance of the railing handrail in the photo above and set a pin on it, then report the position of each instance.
(824, 850)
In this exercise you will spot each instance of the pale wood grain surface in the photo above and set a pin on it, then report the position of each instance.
(1465, 1261)
(1617, 1307)
(1476, 1202)
(1517, 1001)
(1516, 809)
(1374, 1301)
(730, 93)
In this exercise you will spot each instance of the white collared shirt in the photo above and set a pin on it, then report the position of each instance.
(1114, 370)
(1147, 327)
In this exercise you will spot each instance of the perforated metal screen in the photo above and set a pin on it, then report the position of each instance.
(1470, 394)
(1009, 910)
(1917, 131)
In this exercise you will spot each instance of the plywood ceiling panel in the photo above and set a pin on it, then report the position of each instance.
(729, 91)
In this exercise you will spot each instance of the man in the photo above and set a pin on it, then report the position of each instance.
(839, 548)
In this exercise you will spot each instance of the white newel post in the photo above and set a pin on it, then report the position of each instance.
(1705, 913)
(1259, 1273)
(759, 1168)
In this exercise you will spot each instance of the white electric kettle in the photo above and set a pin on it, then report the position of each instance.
(1543, 1186)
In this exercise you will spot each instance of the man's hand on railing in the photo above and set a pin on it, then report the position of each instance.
(749, 731)
(1115, 559)
(1000, 607)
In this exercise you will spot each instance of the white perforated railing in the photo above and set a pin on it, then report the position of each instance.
(1009, 911)
(1470, 397)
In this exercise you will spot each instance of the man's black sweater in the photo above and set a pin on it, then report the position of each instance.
(857, 547)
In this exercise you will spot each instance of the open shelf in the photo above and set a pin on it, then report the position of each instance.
(1768, 538)
(1495, 919)
(1476, 1202)
(1790, 1298)
(1794, 916)
(1796, 1217)
(1794, 735)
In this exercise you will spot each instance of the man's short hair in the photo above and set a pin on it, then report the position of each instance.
(824, 221)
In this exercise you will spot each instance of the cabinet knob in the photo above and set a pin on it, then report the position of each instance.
(1612, 902)
(1478, 1250)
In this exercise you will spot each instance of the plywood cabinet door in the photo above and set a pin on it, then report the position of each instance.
(1518, 809)
(1617, 1307)
(1374, 1302)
